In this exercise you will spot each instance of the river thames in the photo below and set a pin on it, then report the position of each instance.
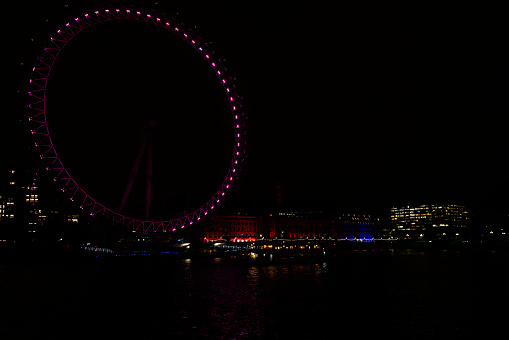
(390, 294)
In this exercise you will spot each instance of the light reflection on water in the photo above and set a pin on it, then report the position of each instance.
(436, 295)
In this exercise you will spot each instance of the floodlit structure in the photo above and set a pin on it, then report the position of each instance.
(296, 225)
(233, 228)
(358, 227)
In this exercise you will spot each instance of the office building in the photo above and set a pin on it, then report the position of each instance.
(433, 221)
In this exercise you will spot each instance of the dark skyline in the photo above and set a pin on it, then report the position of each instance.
(361, 108)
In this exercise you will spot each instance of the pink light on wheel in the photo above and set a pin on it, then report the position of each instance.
(40, 131)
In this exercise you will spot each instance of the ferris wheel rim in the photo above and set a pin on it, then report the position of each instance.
(42, 137)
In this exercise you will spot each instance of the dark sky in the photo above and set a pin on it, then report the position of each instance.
(349, 107)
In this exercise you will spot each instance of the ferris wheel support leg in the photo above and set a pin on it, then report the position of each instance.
(132, 176)
(149, 177)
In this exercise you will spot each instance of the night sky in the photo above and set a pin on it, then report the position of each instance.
(349, 107)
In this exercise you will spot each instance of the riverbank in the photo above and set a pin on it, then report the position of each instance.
(269, 251)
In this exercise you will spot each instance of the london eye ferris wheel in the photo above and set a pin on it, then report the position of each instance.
(40, 113)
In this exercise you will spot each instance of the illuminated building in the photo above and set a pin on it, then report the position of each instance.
(430, 221)
(232, 228)
(295, 225)
(72, 218)
(8, 197)
(356, 227)
(6, 207)
(495, 231)
(19, 201)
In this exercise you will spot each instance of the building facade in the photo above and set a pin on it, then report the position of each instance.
(19, 200)
(295, 225)
(232, 228)
(434, 221)
(360, 227)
